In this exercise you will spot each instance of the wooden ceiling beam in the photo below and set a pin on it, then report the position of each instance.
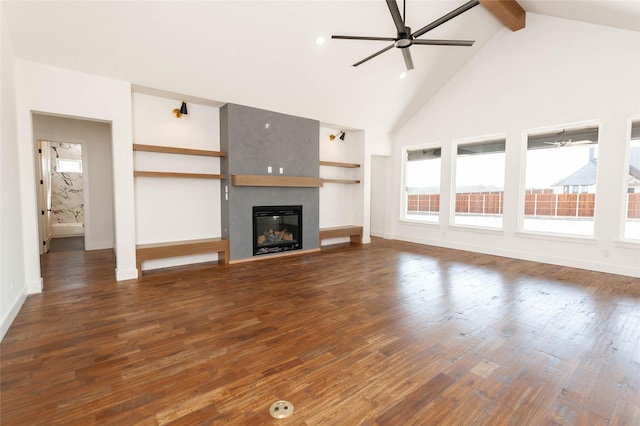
(509, 12)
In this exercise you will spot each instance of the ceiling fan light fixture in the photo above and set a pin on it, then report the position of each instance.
(403, 74)
(404, 38)
(320, 41)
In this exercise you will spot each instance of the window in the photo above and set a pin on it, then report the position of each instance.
(68, 166)
(560, 181)
(422, 184)
(632, 217)
(480, 171)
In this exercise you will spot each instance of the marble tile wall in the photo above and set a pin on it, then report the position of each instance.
(67, 198)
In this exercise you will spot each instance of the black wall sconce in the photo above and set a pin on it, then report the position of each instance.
(340, 136)
(183, 110)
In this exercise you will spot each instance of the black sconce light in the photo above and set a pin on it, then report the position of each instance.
(340, 136)
(183, 110)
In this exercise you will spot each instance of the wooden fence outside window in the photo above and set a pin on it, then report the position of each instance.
(537, 203)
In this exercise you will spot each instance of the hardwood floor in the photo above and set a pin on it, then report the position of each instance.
(388, 333)
(66, 244)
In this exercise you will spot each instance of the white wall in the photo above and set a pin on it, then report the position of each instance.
(95, 138)
(13, 288)
(175, 209)
(50, 90)
(553, 73)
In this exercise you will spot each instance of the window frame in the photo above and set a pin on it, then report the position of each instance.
(477, 140)
(403, 182)
(69, 160)
(633, 134)
(592, 125)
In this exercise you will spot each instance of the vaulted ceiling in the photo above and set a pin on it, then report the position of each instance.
(263, 53)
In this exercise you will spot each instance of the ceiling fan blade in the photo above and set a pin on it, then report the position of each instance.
(373, 56)
(444, 42)
(445, 18)
(341, 37)
(406, 53)
(583, 142)
(395, 14)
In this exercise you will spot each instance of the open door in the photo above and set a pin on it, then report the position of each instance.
(44, 194)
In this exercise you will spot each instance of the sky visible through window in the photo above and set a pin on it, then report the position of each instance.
(480, 173)
(547, 166)
(424, 174)
(69, 166)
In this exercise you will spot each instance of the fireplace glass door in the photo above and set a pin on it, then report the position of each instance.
(276, 229)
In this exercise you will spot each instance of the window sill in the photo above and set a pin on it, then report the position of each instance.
(628, 244)
(419, 222)
(481, 229)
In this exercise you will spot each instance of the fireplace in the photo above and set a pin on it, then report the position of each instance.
(276, 229)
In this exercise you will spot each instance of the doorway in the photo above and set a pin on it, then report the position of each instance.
(87, 226)
(380, 175)
(61, 196)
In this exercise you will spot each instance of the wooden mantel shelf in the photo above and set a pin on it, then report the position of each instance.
(282, 181)
(174, 150)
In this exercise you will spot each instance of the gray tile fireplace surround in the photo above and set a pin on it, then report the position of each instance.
(254, 140)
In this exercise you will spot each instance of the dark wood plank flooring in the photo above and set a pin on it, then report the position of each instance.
(388, 333)
(66, 244)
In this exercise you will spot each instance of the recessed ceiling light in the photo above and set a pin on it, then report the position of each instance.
(403, 74)
(320, 41)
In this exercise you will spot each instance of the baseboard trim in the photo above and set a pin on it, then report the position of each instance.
(126, 274)
(12, 314)
(98, 245)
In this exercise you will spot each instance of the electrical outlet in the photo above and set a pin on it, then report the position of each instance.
(269, 169)
(281, 170)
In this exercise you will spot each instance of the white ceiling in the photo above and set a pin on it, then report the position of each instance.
(262, 53)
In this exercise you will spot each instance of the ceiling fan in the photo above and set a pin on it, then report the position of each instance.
(405, 38)
(562, 141)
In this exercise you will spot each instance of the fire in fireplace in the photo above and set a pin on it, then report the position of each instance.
(276, 229)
